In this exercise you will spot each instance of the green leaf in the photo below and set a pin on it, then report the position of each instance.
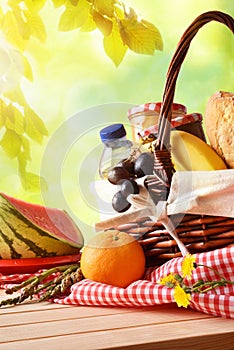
(2, 113)
(131, 14)
(155, 33)
(11, 30)
(25, 148)
(105, 7)
(11, 143)
(10, 116)
(22, 161)
(74, 2)
(22, 25)
(59, 3)
(30, 181)
(16, 95)
(14, 119)
(119, 12)
(19, 122)
(114, 46)
(74, 16)
(35, 25)
(33, 182)
(34, 126)
(1, 17)
(27, 69)
(138, 37)
(35, 5)
(103, 24)
(89, 25)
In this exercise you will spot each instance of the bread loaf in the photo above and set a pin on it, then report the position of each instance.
(219, 124)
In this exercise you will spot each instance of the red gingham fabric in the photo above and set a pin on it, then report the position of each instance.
(146, 292)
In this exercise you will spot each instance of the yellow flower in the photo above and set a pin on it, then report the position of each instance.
(181, 298)
(188, 266)
(168, 281)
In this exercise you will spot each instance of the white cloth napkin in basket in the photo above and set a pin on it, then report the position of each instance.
(191, 192)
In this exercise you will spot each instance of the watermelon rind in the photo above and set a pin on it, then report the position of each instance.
(30, 230)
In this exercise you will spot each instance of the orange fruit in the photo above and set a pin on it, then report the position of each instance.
(114, 258)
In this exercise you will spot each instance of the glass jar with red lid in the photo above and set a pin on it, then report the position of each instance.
(146, 115)
(144, 120)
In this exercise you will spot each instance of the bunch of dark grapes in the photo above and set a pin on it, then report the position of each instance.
(124, 175)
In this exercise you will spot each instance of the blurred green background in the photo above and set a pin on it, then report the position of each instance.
(77, 90)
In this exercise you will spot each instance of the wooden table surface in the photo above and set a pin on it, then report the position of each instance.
(51, 326)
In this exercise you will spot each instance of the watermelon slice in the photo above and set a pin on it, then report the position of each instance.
(24, 227)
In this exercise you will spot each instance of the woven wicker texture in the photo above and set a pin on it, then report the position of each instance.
(198, 233)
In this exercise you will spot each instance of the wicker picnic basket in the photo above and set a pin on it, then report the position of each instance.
(199, 233)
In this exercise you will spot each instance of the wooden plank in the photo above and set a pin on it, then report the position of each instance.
(31, 311)
(160, 313)
(212, 333)
(31, 307)
(42, 315)
(89, 324)
(54, 326)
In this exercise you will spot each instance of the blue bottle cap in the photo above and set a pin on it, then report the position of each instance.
(111, 132)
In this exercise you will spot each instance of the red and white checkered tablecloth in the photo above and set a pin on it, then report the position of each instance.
(146, 292)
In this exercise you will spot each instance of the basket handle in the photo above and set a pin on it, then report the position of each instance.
(159, 184)
(163, 140)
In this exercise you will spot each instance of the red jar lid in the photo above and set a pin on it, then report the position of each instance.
(155, 107)
(175, 122)
(188, 118)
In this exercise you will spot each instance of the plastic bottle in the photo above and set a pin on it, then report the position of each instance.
(116, 147)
